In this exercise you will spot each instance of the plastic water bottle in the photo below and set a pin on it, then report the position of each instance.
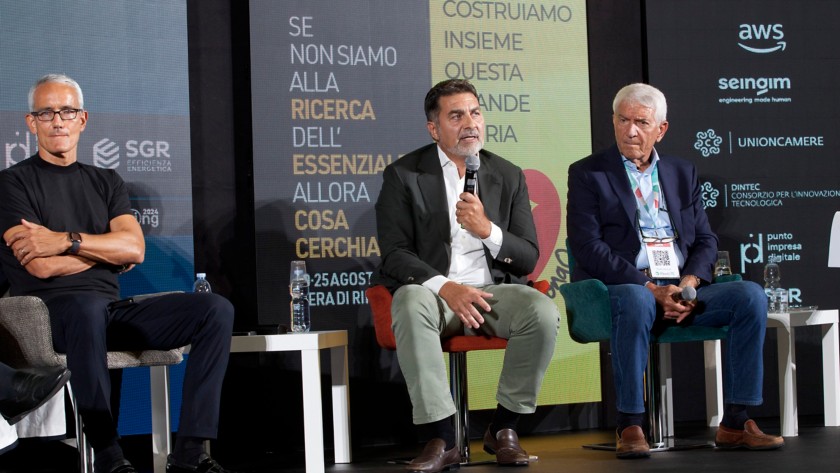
(299, 290)
(772, 278)
(201, 284)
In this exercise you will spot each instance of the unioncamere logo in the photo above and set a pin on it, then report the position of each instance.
(106, 154)
(708, 142)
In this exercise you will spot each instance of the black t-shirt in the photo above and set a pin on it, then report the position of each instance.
(75, 198)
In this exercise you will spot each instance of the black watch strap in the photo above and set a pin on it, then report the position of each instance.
(75, 242)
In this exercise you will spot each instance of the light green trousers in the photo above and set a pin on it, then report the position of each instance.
(528, 319)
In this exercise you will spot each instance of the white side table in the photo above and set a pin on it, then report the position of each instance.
(309, 346)
(785, 323)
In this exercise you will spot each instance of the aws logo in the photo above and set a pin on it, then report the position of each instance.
(762, 35)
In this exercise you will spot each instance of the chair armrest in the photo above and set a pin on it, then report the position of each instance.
(588, 311)
(542, 285)
(140, 297)
(25, 333)
(727, 278)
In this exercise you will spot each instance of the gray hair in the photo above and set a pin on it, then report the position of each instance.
(646, 95)
(59, 78)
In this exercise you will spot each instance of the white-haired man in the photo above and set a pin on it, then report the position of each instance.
(636, 222)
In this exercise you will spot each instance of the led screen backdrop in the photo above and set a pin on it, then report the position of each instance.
(752, 101)
(337, 94)
(130, 59)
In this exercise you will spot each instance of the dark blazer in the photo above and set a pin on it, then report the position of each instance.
(602, 226)
(412, 219)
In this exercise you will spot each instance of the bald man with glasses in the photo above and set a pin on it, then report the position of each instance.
(69, 232)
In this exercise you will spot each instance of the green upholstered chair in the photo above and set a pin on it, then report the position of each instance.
(588, 315)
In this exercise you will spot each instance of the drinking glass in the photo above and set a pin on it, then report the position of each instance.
(722, 265)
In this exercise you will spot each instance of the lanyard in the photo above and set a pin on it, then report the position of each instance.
(651, 204)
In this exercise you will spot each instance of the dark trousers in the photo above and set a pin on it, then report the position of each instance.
(6, 375)
(84, 328)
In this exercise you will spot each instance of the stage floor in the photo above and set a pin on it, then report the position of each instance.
(815, 450)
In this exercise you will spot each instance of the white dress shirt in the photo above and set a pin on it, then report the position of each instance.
(467, 263)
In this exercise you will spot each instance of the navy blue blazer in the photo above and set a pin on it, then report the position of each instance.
(412, 219)
(601, 219)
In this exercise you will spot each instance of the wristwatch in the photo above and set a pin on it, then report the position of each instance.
(696, 279)
(75, 241)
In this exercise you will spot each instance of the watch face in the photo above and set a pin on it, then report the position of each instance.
(74, 236)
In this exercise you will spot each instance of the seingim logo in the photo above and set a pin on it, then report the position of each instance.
(106, 154)
(762, 34)
(709, 195)
(708, 142)
(761, 85)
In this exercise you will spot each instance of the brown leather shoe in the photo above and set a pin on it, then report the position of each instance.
(631, 443)
(751, 437)
(435, 458)
(505, 445)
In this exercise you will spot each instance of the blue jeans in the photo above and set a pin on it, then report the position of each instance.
(742, 305)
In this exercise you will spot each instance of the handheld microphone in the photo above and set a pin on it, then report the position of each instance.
(471, 175)
(688, 294)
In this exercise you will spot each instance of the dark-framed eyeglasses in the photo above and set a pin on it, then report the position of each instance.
(654, 239)
(657, 238)
(49, 115)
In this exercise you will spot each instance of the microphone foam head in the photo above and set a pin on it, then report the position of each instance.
(689, 293)
(473, 163)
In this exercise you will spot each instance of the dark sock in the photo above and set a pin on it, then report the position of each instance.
(503, 419)
(734, 416)
(109, 457)
(441, 429)
(188, 450)
(625, 420)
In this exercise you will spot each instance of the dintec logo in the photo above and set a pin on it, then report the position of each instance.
(106, 154)
(768, 36)
(709, 194)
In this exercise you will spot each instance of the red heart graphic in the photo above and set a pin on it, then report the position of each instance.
(547, 216)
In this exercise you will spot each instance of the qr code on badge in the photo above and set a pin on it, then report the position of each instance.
(661, 258)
